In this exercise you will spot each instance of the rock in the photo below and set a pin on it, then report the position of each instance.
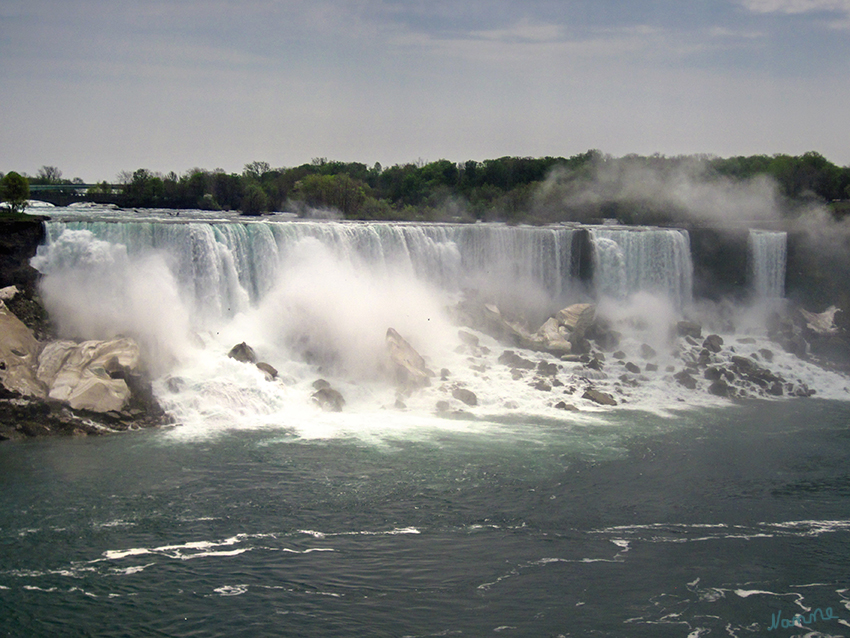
(19, 351)
(713, 343)
(443, 406)
(243, 353)
(577, 318)
(269, 370)
(602, 398)
(466, 396)
(468, 338)
(775, 389)
(321, 384)
(89, 375)
(513, 360)
(631, 367)
(542, 385)
(547, 369)
(594, 364)
(569, 407)
(619, 354)
(719, 388)
(651, 367)
(687, 328)
(821, 323)
(329, 399)
(410, 369)
(8, 293)
(647, 351)
(767, 354)
(444, 374)
(684, 378)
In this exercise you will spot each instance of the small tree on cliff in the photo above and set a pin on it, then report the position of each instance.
(15, 191)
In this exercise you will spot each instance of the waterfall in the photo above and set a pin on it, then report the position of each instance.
(767, 256)
(227, 266)
(654, 260)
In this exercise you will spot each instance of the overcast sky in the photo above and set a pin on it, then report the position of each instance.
(96, 87)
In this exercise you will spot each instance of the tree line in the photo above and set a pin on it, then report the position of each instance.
(586, 186)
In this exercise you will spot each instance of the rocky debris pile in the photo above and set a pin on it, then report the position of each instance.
(408, 367)
(70, 387)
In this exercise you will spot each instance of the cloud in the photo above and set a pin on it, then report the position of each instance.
(797, 6)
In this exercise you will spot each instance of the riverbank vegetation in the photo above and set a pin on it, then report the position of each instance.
(584, 187)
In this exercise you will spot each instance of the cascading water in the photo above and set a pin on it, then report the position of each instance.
(653, 260)
(224, 266)
(767, 258)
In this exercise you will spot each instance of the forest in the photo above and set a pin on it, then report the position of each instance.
(585, 187)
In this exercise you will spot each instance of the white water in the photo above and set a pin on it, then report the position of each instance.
(315, 300)
(654, 260)
(767, 252)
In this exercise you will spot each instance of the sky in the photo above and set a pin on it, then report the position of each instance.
(97, 87)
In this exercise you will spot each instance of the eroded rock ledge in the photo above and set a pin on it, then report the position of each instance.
(66, 387)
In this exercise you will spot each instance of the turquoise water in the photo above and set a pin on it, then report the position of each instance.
(710, 521)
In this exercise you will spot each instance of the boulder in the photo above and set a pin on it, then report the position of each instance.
(647, 351)
(329, 399)
(269, 370)
(713, 343)
(684, 378)
(822, 323)
(719, 388)
(631, 367)
(409, 366)
(466, 396)
(602, 398)
(577, 319)
(19, 352)
(468, 338)
(243, 352)
(687, 328)
(514, 361)
(90, 375)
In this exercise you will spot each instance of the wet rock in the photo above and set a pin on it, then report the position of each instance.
(329, 399)
(269, 370)
(466, 396)
(602, 398)
(647, 351)
(594, 364)
(713, 343)
(767, 354)
(321, 384)
(651, 367)
(569, 407)
(775, 389)
(631, 367)
(409, 367)
(513, 360)
(547, 369)
(243, 353)
(542, 385)
(719, 388)
(577, 318)
(619, 354)
(444, 374)
(468, 338)
(685, 379)
(443, 406)
(687, 328)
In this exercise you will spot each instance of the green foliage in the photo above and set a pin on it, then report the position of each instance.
(15, 191)
(254, 201)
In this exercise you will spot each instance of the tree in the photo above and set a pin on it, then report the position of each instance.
(49, 175)
(15, 191)
(254, 201)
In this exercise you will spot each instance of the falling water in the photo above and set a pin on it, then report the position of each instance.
(767, 256)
